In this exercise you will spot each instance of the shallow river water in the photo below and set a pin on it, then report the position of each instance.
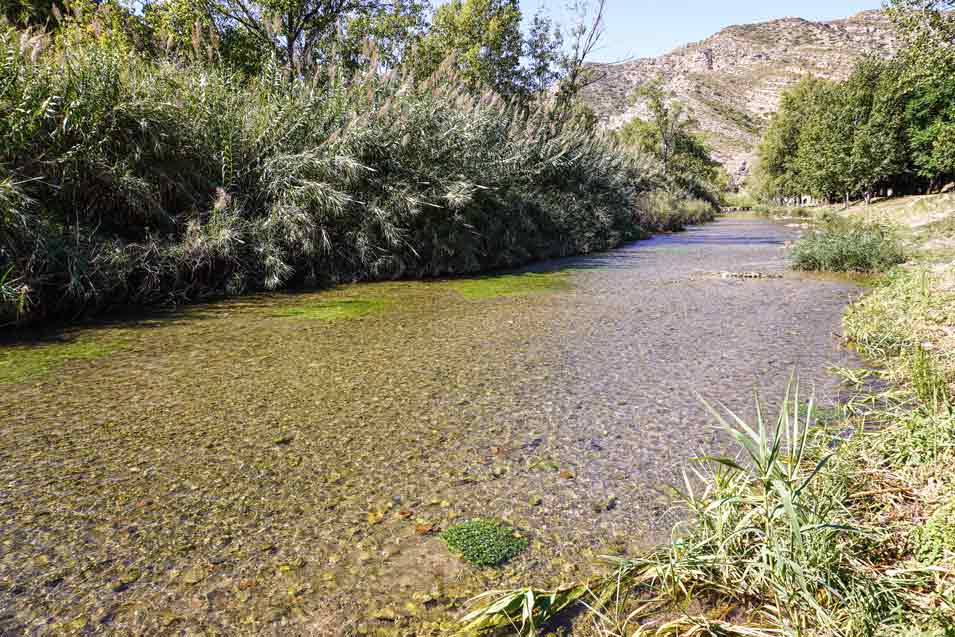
(239, 468)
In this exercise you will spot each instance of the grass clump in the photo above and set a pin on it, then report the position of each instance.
(334, 309)
(906, 320)
(848, 247)
(484, 542)
(489, 287)
(22, 363)
(663, 210)
(935, 540)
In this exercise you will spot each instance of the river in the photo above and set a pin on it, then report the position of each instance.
(236, 467)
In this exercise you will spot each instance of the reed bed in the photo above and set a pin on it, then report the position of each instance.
(127, 179)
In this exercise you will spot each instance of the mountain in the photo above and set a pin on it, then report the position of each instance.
(732, 81)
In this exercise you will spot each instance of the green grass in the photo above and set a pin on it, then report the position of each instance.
(936, 537)
(334, 309)
(22, 363)
(490, 287)
(484, 542)
(848, 247)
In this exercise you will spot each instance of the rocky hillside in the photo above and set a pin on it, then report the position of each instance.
(732, 81)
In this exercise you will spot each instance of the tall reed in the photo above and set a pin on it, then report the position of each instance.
(127, 179)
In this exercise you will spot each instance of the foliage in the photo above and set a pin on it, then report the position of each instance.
(544, 49)
(927, 31)
(481, 39)
(484, 542)
(935, 539)
(669, 212)
(26, 13)
(905, 319)
(668, 135)
(127, 179)
(294, 30)
(776, 174)
(848, 247)
(890, 125)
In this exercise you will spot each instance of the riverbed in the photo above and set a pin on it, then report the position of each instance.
(260, 466)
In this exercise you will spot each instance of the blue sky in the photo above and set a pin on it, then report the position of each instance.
(638, 28)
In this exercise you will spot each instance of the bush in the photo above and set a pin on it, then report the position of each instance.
(124, 179)
(484, 542)
(848, 247)
(663, 210)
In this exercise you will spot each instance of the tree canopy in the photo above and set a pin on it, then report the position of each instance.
(890, 125)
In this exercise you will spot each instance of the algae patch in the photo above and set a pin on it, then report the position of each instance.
(21, 363)
(489, 287)
(484, 542)
(334, 309)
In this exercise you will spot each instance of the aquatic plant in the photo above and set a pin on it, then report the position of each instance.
(334, 309)
(18, 364)
(488, 287)
(484, 542)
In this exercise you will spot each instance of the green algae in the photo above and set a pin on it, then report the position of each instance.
(22, 363)
(489, 287)
(334, 309)
(484, 542)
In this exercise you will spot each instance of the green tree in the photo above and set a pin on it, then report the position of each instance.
(875, 118)
(668, 134)
(30, 13)
(777, 173)
(544, 52)
(824, 145)
(395, 28)
(297, 32)
(927, 31)
(930, 120)
(483, 41)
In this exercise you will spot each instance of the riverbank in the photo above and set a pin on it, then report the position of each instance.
(847, 529)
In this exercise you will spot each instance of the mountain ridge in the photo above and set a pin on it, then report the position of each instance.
(731, 81)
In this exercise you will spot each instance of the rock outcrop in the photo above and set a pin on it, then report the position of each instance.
(732, 81)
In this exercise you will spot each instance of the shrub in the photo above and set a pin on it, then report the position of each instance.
(484, 542)
(125, 179)
(663, 210)
(848, 247)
